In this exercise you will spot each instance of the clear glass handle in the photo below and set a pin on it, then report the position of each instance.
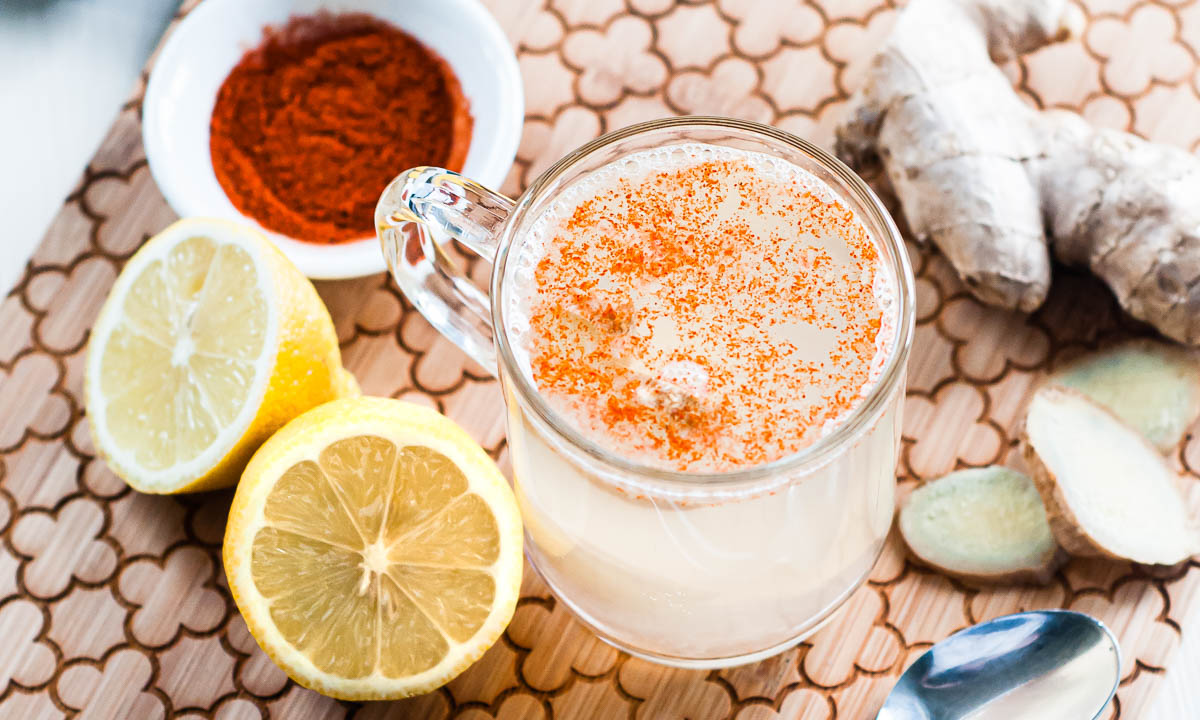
(420, 209)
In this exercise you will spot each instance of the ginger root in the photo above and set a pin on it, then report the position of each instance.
(999, 186)
(981, 524)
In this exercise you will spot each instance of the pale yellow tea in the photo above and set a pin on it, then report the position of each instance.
(703, 309)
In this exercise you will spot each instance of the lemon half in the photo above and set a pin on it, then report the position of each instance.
(209, 341)
(374, 549)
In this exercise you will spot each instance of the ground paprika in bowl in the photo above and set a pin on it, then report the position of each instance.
(205, 47)
(311, 125)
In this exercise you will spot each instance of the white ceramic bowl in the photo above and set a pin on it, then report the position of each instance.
(212, 39)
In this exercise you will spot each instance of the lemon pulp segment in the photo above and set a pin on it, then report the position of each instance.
(209, 341)
(382, 586)
(182, 358)
(374, 549)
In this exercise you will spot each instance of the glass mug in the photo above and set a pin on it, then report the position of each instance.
(687, 569)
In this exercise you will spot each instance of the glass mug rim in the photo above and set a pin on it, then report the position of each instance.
(860, 419)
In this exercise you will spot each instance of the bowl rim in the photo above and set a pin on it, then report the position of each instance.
(355, 258)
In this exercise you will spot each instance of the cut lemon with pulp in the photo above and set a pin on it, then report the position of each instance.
(374, 549)
(209, 341)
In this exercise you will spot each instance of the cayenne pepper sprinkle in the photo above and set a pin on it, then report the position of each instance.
(311, 126)
(704, 314)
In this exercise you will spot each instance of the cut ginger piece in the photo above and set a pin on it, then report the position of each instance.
(1108, 492)
(1152, 386)
(983, 524)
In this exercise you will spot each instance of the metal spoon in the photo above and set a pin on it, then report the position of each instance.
(1052, 664)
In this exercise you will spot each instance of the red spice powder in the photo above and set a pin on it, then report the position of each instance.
(720, 286)
(311, 126)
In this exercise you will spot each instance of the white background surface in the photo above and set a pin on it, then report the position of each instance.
(65, 68)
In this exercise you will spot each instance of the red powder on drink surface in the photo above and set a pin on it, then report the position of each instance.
(311, 126)
(665, 232)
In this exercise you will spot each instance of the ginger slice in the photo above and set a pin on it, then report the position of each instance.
(983, 524)
(1152, 386)
(1108, 492)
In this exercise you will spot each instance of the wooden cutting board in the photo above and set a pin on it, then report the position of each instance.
(114, 603)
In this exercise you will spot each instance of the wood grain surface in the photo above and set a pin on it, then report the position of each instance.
(114, 605)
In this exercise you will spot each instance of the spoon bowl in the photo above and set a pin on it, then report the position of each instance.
(1043, 664)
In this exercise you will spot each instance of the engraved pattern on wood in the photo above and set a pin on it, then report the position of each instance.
(113, 604)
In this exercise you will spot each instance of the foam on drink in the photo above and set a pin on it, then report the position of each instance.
(701, 308)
